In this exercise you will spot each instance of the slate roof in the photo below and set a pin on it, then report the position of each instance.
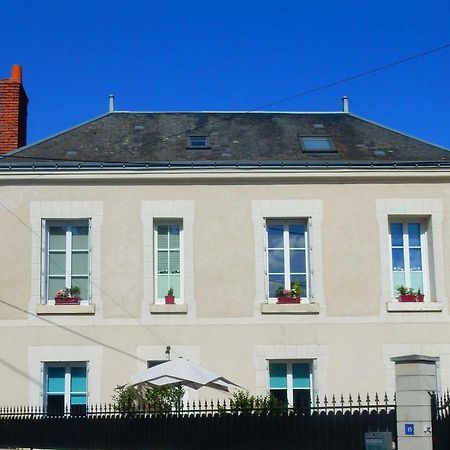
(257, 137)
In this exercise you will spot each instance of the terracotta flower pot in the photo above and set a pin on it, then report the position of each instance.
(410, 298)
(285, 300)
(67, 301)
(170, 299)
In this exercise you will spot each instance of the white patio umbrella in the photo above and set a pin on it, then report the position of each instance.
(180, 372)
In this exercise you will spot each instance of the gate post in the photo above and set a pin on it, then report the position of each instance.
(415, 376)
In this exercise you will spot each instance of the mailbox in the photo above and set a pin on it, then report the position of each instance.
(378, 440)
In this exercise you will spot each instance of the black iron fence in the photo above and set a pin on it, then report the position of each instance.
(440, 417)
(331, 424)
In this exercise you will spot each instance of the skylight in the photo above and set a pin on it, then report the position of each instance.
(317, 144)
(197, 142)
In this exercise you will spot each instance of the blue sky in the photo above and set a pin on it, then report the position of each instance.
(229, 55)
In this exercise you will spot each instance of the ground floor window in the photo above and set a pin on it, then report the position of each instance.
(65, 388)
(291, 382)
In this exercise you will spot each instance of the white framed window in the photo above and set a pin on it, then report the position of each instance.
(168, 245)
(291, 382)
(65, 387)
(287, 255)
(66, 258)
(409, 255)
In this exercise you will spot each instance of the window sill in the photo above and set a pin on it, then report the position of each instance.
(414, 307)
(290, 308)
(168, 309)
(65, 309)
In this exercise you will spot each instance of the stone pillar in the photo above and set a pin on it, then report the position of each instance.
(415, 377)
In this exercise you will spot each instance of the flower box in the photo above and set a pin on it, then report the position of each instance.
(286, 300)
(67, 301)
(410, 298)
(170, 299)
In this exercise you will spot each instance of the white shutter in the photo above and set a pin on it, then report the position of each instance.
(310, 257)
(266, 262)
(90, 261)
(43, 292)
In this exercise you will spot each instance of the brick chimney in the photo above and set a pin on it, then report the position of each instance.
(13, 112)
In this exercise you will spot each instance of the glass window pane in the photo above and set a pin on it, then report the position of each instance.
(301, 375)
(55, 379)
(78, 379)
(57, 237)
(398, 279)
(414, 234)
(415, 259)
(55, 405)
(57, 264)
(396, 234)
(280, 395)
(302, 398)
(83, 284)
(80, 264)
(297, 236)
(54, 285)
(398, 262)
(163, 285)
(163, 261)
(174, 261)
(298, 261)
(275, 281)
(417, 281)
(163, 236)
(174, 281)
(80, 237)
(275, 236)
(174, 236)
(278, 375)
(316, 143)
(276, 261)
(77, 399)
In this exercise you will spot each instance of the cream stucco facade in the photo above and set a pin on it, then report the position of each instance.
(348, 331)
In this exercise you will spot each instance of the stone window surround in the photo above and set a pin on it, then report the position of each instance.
(69, 210)
(432, 210)
(317, 353)
(37, 356)
(288, 209)
(151, 211)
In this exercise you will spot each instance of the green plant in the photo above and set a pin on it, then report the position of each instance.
(170, 292)
(75, 291)
(157, 399)
(243, 402)
(295, 286)
(162, 399)
(403, 290)
(126, 399)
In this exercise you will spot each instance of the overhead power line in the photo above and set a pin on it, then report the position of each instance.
(266, 105)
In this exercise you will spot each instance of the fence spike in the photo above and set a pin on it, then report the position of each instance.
(368, 399)
(358, 400)
(325, 402)
(333, 402)
(342, 401)
(350, 400)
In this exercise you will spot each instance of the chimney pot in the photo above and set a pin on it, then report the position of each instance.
(16, 72)
(345, 104)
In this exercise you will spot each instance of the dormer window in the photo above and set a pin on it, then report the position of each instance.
(317, 144)
(197, 142)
